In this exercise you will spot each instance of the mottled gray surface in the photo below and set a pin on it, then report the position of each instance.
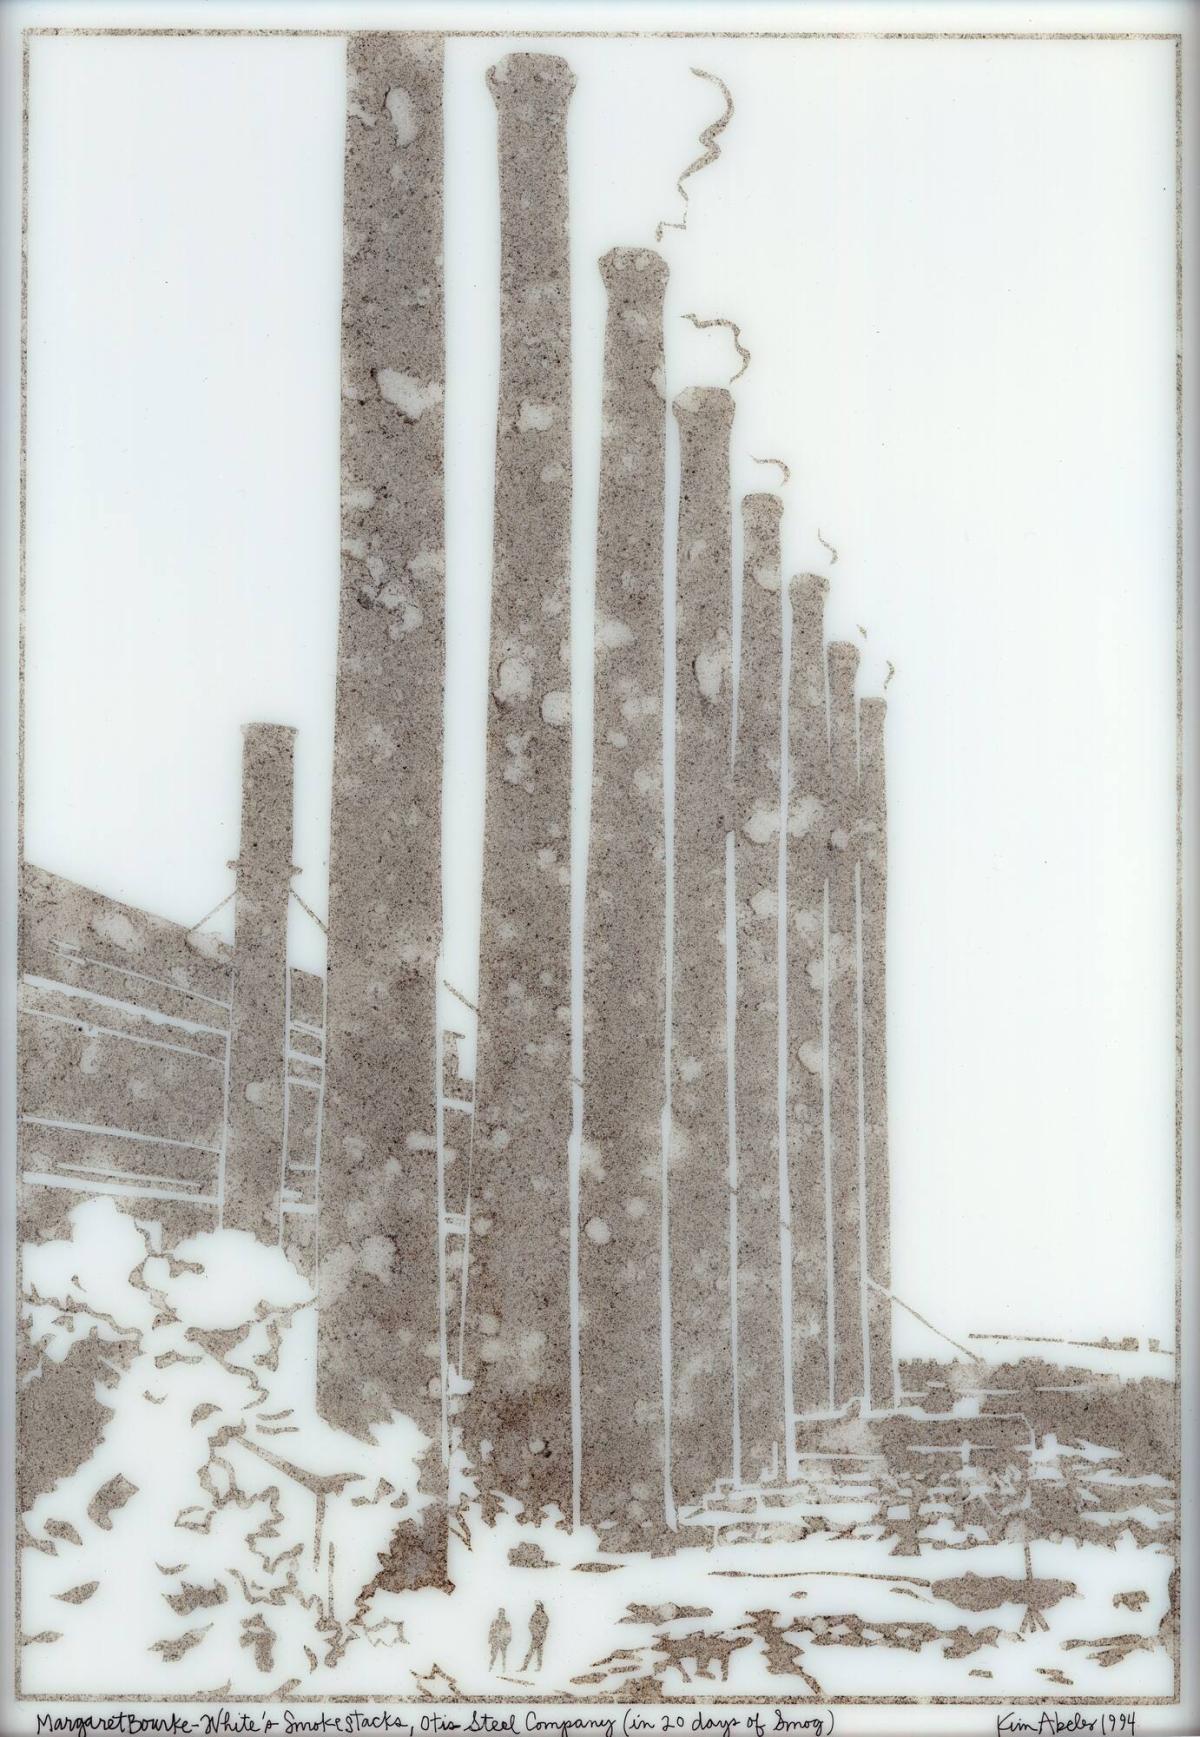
(872, 833)
(758, 770)
(122, 1041)
(518, 1291)
(258, 1014)
(92, 942)
(378, 1231)
(620, 1188)
(79, 1065)
(808, 853)
(842, 967)
(701, 1376)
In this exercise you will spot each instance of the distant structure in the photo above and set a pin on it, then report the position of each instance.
(622, 1293)
(161, 1068)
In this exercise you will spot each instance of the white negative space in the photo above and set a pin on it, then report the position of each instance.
(953, 266)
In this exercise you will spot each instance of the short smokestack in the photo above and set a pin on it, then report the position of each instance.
(254, 1154)
(877, 1206)
(808, 866)
(848, 1375)
(758, 772)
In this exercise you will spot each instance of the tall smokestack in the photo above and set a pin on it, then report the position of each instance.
(378, 1213)
(519, 1287)
(620, 1190)
(877, 1205)
(758, 774)
(702, 1406)
(254, 1154)
(849, 1372)
(808, 834)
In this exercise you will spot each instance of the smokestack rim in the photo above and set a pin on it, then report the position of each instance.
(547, 77)
(809, 586)
(704, 405)
(638, 271)
(756, 500)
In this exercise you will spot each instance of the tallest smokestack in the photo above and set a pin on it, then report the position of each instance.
(378, 1226)
(519, 1286)
(848, 1374)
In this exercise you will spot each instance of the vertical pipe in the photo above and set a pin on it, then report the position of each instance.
(443, 1304)
(877, 1206)
(702, 1370)
(520, 1302)
(808, 800)
(378, 1217)
(757, 775)
(624, 942)
(254, 1152)
(848, 1375)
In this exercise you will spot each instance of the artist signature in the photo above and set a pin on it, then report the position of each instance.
(1048, 1722)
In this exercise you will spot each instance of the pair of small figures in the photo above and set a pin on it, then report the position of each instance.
(500, 1638)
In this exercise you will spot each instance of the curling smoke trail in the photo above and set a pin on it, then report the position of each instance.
(833, 554)
(786, 469)
(710, 153)
(731, 326)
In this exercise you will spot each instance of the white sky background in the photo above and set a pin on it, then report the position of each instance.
(953, 264)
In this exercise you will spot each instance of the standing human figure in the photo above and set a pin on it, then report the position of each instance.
(499, 1636)
(539, 1628)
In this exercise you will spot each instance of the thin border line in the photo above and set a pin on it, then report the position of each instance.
(672, 35)
(485, 1701)
(652, 35)
(1179, 754)
(22, 550)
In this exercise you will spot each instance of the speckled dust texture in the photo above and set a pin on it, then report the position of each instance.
(519, 1302)
(701, 1355)
(758, 771)
(620, 1189)
(378, 1228)
(807, 860)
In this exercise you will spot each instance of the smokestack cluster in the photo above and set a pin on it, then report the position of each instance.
(655, 1293)
(634, 1286)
